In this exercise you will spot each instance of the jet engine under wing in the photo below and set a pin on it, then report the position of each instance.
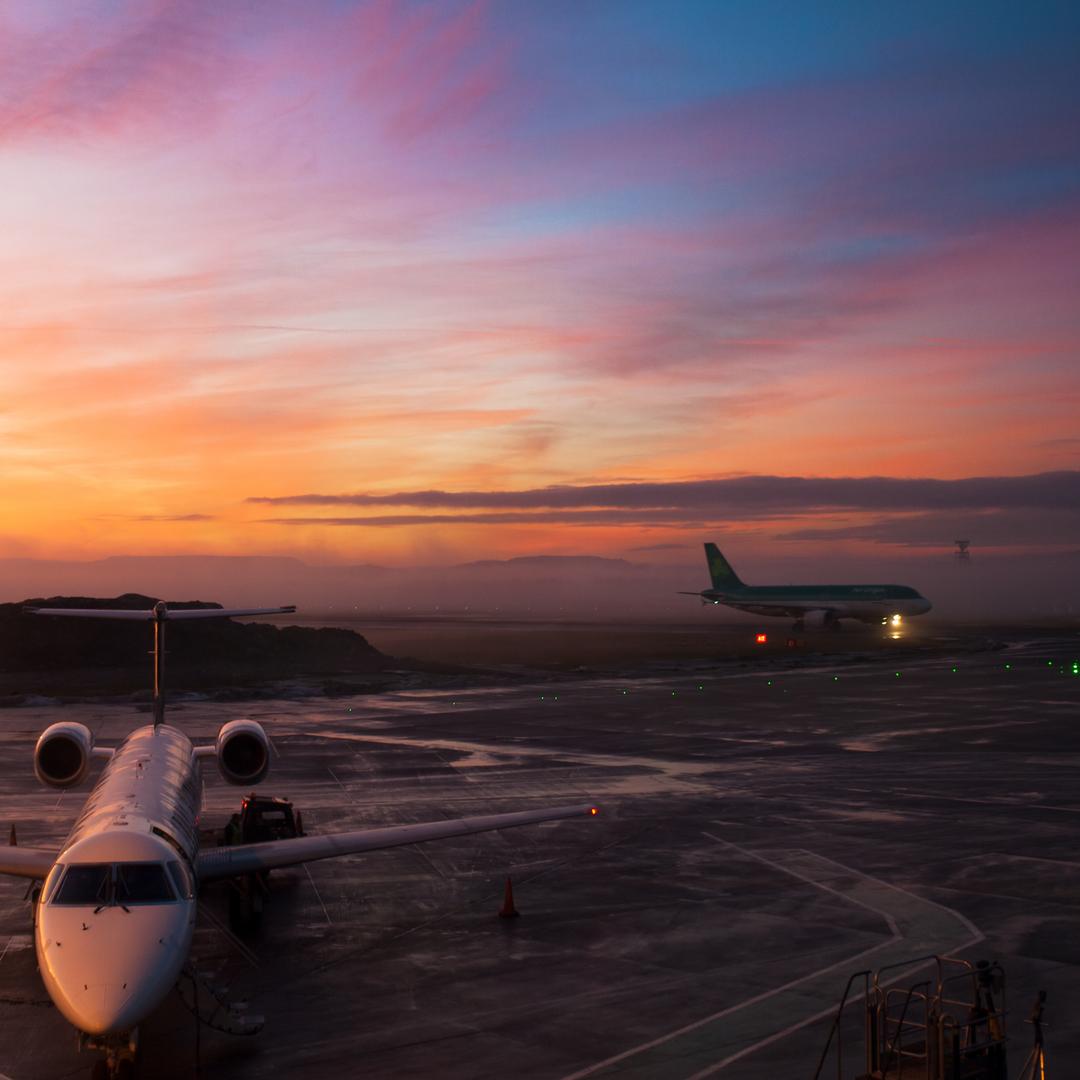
(224, 862)
(26, 862)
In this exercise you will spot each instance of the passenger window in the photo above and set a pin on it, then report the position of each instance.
(86, 884)
(142, 883)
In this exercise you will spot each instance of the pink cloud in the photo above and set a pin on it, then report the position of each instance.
(156, 68)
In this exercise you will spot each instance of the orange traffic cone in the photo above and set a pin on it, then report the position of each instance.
(13, 840)
(508, 911)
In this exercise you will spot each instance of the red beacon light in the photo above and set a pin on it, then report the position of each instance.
(761, 639)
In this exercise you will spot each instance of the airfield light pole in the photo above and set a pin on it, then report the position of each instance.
(962, 553)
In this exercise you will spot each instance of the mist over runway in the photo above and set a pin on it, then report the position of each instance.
(764, 832)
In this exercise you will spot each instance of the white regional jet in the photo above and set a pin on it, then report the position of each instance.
(115, 916)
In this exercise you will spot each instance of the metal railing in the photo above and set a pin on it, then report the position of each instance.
(835, 1028)
(895, 1049)
(939, 1028)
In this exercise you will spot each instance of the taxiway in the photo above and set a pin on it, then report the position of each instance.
(765, 831)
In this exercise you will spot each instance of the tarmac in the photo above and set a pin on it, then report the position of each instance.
(765, 831)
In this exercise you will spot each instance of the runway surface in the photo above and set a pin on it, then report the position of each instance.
(765, 832)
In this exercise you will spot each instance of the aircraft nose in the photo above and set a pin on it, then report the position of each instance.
(105, 1008)
(122, 997)
(107, 971)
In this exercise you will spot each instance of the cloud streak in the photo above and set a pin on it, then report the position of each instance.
(745, 496)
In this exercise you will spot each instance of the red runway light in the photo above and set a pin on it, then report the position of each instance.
(762, 638)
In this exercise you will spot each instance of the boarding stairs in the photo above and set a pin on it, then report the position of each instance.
(950, 1025)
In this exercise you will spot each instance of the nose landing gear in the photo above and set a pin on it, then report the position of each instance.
(121, 1055)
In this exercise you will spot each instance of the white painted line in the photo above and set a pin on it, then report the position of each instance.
(977, 936)
(1034, 858)
(244, 951)
(895, 937)
(830, 1011)
(722, 1013)
(1003, 804)
(318, 895)
(976, 933)
(337, 781)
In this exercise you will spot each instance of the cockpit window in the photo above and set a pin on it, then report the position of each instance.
(142, 883)
(105, 884)
(86, 884)
(182, 880)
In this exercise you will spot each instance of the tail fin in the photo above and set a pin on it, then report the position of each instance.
(723, 577)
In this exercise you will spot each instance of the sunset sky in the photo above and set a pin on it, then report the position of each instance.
(358, 281)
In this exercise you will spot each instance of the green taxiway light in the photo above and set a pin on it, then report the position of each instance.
(770, 682)
(954, 669)
(836, 678)
(898, 674)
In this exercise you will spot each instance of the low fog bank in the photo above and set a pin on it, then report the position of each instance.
(988, 587)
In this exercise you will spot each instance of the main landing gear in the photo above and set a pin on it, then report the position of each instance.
(261, 818)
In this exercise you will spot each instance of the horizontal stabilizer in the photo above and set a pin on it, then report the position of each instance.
(171, 614)
(225, 862)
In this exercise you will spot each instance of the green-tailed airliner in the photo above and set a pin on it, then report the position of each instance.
(810, 605)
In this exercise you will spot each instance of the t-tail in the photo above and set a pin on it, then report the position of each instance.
(159, 614)
(724, 579)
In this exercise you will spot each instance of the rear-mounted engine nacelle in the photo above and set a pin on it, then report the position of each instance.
(243, 752)
(818, 620)
(62, 754)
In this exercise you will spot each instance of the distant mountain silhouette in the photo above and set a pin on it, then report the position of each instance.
(550, 562)
(203, 653)
(995, 584)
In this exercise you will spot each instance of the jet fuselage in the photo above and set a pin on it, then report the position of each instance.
(820, 605)
(868, 603)
(117, 911)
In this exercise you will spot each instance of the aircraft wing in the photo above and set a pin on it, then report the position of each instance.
(224, 862)
(26, 862)
(219, 613)
(149, 615)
